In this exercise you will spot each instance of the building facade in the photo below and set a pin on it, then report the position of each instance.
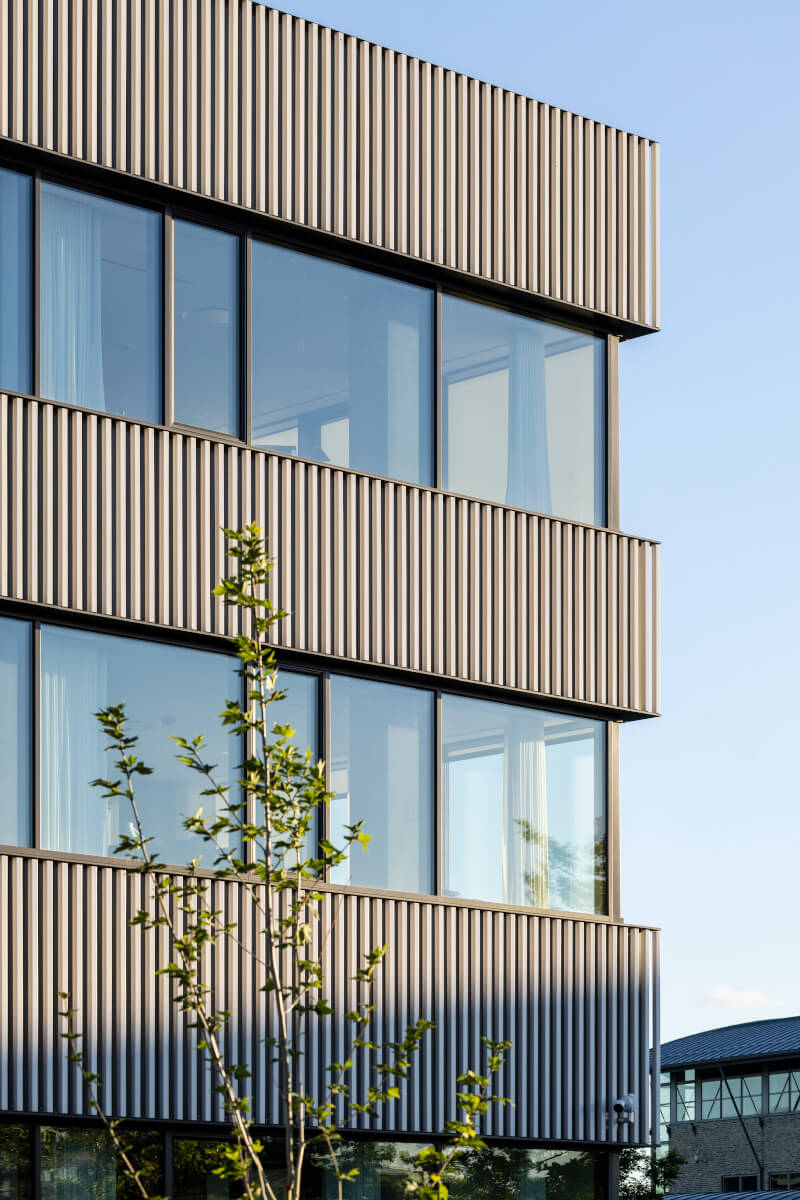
(730, 1105)
(256, 270)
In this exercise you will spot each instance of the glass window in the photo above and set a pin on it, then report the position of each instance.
(382, 773)
(168, 690)
(101, 303)
(784, 1091)
(206, 328)
(299, 709)
(685, 1101)
(710, 1098)
(16, 260)
(16, 1161)
(15, 732)
(342, 365)
(194, 1161)
(383, 1168)
(784, 1181)
(79, 1162)
(519, 1174)
(524, 411)
(524, 806)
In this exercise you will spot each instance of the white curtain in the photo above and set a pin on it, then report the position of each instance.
(74, 686)
(528, 459)
(526, 870)
(72, 334)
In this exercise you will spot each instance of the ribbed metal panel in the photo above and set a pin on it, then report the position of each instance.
(254, 107)
(574, 997)
(102, 515)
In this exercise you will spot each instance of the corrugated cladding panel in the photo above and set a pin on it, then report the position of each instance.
(255, 107)
(574, 997)
(102, 515)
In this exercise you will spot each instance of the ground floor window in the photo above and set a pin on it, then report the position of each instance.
(77, 1161)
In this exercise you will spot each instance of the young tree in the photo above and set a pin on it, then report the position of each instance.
(262, 832)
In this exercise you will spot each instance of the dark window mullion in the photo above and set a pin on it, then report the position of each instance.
(36, 1156)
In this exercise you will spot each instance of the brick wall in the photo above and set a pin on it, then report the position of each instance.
(722, 1149)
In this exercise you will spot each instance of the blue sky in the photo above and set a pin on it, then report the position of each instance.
(710, 448)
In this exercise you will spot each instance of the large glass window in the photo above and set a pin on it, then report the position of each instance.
(383, 1168)
(524, 411)
(519, 1174)
(524, 806)
(101, 303)
(168, 690)
(15, 732)
(15, 282)
(342, 365)
(731, 1097)
(382, 773)
(79, 1162)
(206, 328)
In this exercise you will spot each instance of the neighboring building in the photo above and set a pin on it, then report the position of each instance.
(730, 1104)
(253, 269)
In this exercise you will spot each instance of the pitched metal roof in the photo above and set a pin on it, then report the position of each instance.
(754, 1039)
(726, 1195)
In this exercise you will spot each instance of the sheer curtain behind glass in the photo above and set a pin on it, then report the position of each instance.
(100, 303)
(342, 365)
(16, 312)
(168, 691)
(524, 806)
(382, 774)
(523, 411)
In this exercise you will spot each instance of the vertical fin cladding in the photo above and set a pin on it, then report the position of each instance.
(252, 106)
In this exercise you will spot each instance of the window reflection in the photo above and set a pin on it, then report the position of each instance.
(15, 732)
(101, 303)
(382, 773)
(15, 282)
(342, 365)
(509, 1173)
(16, 1161)
(524, 806)
(77, 1163)
(383, 1168)
(206, 328)
(299, 709)
(523, 405)
(168, 690)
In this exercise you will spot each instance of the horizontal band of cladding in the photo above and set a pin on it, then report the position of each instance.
(574, 997)
(105, 516)
(255, 107)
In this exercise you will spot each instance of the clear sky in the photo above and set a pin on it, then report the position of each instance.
(710, 447)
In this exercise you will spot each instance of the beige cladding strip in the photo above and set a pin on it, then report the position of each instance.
(377, 572)
(569, 1003)
(252, 106)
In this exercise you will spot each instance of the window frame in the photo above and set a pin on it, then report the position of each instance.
(323, 673)
(249, 226)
